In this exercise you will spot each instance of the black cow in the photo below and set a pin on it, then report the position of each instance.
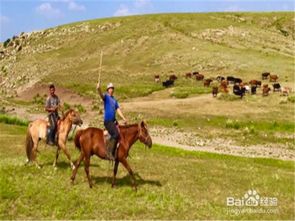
(237, 80)
(265, 75)
(168, 83)
(240, 91)
(276, 87)
(253, 89)
(230, 79)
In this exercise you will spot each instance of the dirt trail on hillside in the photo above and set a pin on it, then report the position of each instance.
(202, 104)
(189, 141)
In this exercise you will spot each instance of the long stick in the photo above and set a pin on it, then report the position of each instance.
(100, 65)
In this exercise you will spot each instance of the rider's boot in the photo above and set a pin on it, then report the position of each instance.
(111, 145)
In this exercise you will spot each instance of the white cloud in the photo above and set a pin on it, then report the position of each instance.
(73, 6)
(137, 7)
(48, 11)
(123, 10)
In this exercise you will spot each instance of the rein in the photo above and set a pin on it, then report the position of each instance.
(140, 136)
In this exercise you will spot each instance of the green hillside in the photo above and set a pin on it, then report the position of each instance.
(137, 47)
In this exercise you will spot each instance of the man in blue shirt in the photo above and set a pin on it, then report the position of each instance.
(111, 106)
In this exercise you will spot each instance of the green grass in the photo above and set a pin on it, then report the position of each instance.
(186, 91)
(172, 184)
(7, 119)
(142, 46)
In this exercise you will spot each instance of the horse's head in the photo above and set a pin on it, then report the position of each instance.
(74, 116)
(143, 134)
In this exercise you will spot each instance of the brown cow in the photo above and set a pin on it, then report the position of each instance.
(265, 90)
(172, 77)
(157, 78)
(188, 75)
(255, 83)
(214, 91)
(223, 86)
(273, 78)
(199, 77)
(207, 82)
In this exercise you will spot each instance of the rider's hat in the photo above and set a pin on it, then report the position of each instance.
(110, 85)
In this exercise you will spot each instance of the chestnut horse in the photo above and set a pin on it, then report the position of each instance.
(92, 141)
(37, 130)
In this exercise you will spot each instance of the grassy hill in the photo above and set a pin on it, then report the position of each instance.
(137, 47)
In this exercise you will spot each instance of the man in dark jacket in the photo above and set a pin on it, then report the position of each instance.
(111, 106)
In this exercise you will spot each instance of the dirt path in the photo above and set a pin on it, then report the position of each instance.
(189, 141)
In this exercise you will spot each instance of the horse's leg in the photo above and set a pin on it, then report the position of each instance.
(87, 164)
(126, 165)
(115, 173)
(34, 151)
(65, 150)
(56, 156)
(77, 166)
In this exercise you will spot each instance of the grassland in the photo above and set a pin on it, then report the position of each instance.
(173, 184)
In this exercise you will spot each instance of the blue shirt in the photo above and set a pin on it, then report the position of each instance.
(110, 107)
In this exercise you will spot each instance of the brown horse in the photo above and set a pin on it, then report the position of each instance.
(92, 141)
(37, 130)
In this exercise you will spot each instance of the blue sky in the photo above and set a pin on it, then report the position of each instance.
(29, 15)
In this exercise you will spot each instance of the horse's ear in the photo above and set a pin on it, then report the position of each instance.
(143, 124)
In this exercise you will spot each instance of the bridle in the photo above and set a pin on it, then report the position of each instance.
(141, 137)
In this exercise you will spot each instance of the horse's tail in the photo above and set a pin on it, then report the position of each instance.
(29, 144)
(77, 139)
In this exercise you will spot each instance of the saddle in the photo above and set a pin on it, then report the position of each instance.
(48, 132)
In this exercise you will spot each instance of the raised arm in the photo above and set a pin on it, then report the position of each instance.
(99, 91)
(121, 115)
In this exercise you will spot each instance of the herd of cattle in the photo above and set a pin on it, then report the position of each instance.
(240, 88)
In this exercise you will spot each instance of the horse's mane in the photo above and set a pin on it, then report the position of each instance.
(127, 126)
(66, 114)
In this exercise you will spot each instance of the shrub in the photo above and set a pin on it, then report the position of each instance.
(66, 106)
(37, 99)
(291, 99)
(228, 97)
(233, 124)
(5, 44)
(80, 108)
